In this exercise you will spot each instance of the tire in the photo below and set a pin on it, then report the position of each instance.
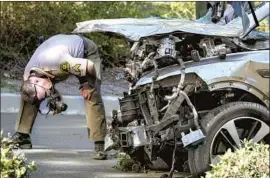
(217, 126)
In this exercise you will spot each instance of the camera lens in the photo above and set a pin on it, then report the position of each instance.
(63, 107)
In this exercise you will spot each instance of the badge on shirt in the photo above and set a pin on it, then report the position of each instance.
(65, 66)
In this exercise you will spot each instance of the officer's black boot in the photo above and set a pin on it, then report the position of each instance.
(21, 140)
(100, 153)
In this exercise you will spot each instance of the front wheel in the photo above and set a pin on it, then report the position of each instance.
(226, 127)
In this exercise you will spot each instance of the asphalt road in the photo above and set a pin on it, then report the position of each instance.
(61, 149)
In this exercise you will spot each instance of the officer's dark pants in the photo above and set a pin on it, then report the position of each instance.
(94, 108)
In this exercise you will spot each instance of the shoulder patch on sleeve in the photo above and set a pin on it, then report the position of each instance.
(65, 66)
(77, 68)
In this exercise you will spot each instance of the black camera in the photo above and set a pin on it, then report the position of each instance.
(56, 104)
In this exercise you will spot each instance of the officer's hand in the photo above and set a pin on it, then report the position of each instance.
(87, 93)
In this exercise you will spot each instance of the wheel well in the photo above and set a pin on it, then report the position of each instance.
(208, 100)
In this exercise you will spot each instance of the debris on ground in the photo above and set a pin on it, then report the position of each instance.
(124, 163)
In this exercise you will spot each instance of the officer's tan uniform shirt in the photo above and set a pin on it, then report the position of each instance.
(60, 56)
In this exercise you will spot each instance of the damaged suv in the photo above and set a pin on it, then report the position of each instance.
(196, 89)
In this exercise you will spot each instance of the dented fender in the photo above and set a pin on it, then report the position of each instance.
(246, 70)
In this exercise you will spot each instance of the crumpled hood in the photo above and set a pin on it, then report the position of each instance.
(133, 29)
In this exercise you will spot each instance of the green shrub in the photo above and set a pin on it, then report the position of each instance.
(124, 162)
(13, 164)
(251, 161)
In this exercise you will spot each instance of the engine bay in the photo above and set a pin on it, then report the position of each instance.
(161, 51)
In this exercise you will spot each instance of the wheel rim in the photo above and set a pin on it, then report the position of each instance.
(232, 134)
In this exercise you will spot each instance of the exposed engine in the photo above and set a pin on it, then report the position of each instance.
(160, 115)
(158, 52)
(185, 77)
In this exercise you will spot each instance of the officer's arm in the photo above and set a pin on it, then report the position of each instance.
(77, 66)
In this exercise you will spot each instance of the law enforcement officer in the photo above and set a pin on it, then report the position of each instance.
(53, 61)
